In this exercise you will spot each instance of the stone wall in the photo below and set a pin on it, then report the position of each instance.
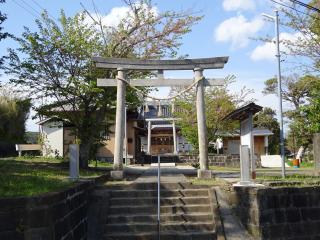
(279, 213)
(51, 216)
(220, 160)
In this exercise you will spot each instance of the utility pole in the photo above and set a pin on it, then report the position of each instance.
(276, 20)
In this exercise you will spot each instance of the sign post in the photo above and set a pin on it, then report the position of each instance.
(247, 161)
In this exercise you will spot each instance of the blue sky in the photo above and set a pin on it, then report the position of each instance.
(227, 29)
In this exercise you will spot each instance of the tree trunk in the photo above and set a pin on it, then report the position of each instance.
(84, 154)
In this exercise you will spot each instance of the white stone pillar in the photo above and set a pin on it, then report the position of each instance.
(246, 138)
(120, 123)
(266, 145)
(245, 178)
(202, 128)
(174, 137)
(74, 161)
(149, 138)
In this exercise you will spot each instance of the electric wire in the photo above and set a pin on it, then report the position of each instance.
(31, 7)
(43, 9)
(306, 5)
(26, 9)
(292, 8)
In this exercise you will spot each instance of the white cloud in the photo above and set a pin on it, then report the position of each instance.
(267, 51)
(114, 17)
(237, 30)
(234, 5)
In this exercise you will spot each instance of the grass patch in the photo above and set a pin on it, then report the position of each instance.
(32, 176)
(291, 177)
(294, 180)
(303, 164)
(100, 164)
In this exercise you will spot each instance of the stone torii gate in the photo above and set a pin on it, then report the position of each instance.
(197, 65)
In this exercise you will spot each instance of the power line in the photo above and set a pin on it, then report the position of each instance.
(39, 6)
(23, 7)
(27, 4)
(306, 5)
(43, 9)
(284, 5)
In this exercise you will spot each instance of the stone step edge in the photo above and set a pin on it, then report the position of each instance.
(153, 206)
(168, 185)
(152, 198)
(133, 199)
(153, 190)
(162, 233)
(155, 215)
(178, 223)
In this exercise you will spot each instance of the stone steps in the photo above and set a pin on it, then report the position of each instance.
(129, 218)
(164, 201)
(169, 235)
(150, 186)
(154, 193)
(153, 227)
(185, 212)
(166, 209)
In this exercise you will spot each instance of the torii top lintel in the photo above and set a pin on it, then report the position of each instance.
(179, 64)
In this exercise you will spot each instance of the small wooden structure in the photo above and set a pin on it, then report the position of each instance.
(245, 114)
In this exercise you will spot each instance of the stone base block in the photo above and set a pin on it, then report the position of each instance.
(316, 173)
(205, 174)
(247, 184)
(116, 175)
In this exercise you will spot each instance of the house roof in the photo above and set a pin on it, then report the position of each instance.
(261, 132)
(243, 112)
(255, 132)
(49, 119)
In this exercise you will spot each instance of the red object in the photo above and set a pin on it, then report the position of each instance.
(296, 163)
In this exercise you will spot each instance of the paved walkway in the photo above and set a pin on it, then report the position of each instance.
(168, 174)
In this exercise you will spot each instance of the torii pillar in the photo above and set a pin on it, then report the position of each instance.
(204, 171)
(117, 172)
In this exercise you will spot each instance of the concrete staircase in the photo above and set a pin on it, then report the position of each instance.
(131, 212)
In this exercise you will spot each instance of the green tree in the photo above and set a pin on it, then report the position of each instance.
(3, 34)
(312, 111)
(14, 112)
(307, 29)
(297, 91)
(218, 101)
(267, 119)
(3, 17)
(55, 64)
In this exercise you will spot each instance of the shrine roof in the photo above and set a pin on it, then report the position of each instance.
(243, 112)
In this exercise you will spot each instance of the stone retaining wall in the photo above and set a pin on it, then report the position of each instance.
(279, 213)
(214, 159)
(51, 216)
